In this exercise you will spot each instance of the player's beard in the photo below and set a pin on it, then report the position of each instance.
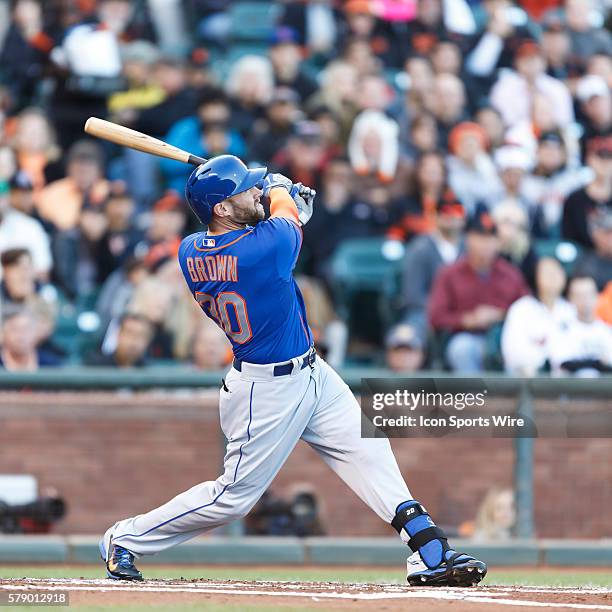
(251, 216)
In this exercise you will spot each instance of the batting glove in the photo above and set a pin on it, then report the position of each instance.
(276, 180)
(304, 202)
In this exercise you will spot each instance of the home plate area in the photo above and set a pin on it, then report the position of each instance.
(312, 595)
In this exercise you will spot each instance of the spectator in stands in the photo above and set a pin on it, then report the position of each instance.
(448, 104)
(330, 130)
(372, 211)
(515, 240)
(22, 197)
(316, 24)
(598, 263)
(211, 349)
(338, 93)
(600, 64)
(472, 296)
(496, 516)
(87, 68)
(76, 250)
(421, 137)
(36, 148)
(18, 351)
(446, 58)
(584, 347)
(585, 38)
(491, 122)
(141, 91)
(603, 310)
(404, 350)
(19, 230)
(162, 298)
(360, 24)
(166, 225)
(121, 237)
(419, 96)
(374, 93)
(211, 132)
(61, 201)
(330, 222)
(116, 293)
(249, 85)
(471, 173)
(597, 194)
(20, 288)
(533, 320)
(330, 334)
(8, 165)
(595, 103)
(358, 53)
(133, 340)
(493, 47)
(286, 59)
(513, 163)
(373, 146)
(556, 48)
(271, 133)
(304, 156)
(179, 99)
(513, 94)
(419, 212)
(432, 23)
(25, 51)
(425, 255)
(552, 180)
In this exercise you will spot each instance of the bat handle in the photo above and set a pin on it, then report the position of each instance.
(196, 160)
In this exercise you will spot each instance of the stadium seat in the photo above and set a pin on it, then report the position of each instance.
(76, 332)
(565, 252)
(253, 20)
(365, 274)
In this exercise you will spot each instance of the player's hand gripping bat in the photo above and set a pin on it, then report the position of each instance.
(127, 137)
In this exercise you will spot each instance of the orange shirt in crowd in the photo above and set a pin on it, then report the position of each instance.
(60, 202)
(34, 166)
(603, 309)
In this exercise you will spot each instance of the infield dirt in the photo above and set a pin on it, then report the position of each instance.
(268, 595)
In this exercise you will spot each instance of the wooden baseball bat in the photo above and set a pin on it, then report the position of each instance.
(127, 137)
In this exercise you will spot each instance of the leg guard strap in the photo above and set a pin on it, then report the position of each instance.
(421, 538)
(424, 536)
(405, 514)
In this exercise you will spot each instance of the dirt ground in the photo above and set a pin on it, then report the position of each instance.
(310, 595)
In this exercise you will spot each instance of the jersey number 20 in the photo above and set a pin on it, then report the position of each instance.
(217, 308)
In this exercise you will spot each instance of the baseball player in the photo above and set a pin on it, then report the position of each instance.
(278, 390)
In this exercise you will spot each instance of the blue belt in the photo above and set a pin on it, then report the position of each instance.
(283, 369)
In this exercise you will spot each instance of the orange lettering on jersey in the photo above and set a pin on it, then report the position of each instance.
(199, 263)
(232, 268)
(221, 267)
(191, 270)
(210, 266)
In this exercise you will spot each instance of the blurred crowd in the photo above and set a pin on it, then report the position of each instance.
(472, 137)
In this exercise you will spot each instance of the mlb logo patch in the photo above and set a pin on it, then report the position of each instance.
(208, 242)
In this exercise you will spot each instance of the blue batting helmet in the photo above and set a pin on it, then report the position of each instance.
(219, 178)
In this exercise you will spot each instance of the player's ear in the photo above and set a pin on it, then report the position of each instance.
(221, 209)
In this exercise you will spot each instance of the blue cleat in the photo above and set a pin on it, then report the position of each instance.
(434, 562)
(119, 561)
(458, 570)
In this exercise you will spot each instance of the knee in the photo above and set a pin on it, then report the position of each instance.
(464, 351)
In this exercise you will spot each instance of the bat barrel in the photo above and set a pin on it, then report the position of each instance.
(126, 137)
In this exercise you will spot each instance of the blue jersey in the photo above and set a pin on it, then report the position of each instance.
(243, 280)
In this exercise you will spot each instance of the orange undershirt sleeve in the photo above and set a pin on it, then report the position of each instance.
(282, 205)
